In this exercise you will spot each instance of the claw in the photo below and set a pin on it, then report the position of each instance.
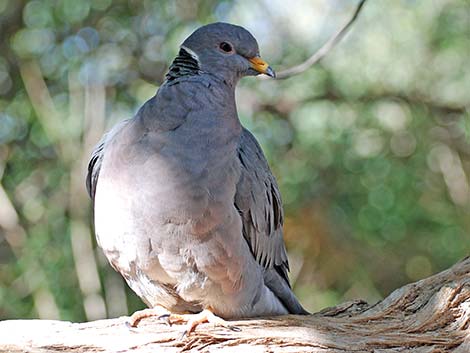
(234, 328)
(166, 319)
(184, 334)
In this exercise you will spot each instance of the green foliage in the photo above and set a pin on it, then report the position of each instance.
(371, 147)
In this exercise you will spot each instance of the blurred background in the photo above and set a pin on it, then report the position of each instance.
(370, 147)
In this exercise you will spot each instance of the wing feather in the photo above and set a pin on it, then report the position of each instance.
(94, 168)
(259, 202)
(96, 159)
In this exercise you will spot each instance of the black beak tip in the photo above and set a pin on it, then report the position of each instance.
(270, 72)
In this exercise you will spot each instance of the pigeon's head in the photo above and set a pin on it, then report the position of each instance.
(226, 50)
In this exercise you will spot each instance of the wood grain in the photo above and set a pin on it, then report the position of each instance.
(432, 315)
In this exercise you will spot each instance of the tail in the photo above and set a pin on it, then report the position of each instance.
(282, 290)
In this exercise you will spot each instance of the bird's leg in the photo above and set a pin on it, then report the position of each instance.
(206, 316)
(159, 311)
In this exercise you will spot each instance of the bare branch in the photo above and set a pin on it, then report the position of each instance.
(431, 315)
(320, 53)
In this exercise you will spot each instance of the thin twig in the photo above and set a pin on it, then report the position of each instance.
(320, 53)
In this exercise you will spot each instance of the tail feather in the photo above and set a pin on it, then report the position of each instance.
(282, 290)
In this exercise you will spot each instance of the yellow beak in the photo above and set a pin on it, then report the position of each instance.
(262, 66)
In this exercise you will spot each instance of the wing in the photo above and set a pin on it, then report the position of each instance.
(94, 165)
(94, 168)
(259, 203)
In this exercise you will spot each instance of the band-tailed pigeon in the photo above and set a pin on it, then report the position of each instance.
(185, 205)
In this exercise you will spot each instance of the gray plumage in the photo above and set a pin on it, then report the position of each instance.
(186, 207)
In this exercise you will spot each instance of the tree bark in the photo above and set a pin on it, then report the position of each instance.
(432, 315)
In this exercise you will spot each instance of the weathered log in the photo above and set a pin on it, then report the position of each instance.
(432, 315)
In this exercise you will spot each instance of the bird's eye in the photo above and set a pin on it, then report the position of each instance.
(226, 47)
